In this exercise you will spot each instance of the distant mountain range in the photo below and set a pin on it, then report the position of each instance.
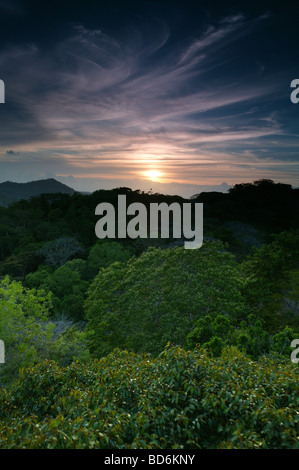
(185, 190)
(11, 192)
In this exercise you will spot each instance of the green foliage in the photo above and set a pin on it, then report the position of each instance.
(37, 279)
(158, 297)
(68, 289)
(282, 340)
(252, 338)
(180, 400)
(215, 345)
(249, 336)
(271, 262)
(69, 344)
(211, 334)
(104, 253)
(272, 280)
(28, 334)
(236, 386)
(23, 260)
(23, 326)
(66, 284)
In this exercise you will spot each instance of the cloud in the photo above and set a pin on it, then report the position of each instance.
(116, 104)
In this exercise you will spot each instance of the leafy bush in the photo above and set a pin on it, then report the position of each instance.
(67, 286)
(23, 327)
(181, 399)
(249, 335)
(28, 334)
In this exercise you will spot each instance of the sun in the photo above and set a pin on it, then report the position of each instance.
(153, 175)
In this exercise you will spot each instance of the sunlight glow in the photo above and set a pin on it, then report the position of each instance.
(153, 175)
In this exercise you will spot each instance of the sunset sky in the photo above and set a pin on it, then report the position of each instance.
(196, 93)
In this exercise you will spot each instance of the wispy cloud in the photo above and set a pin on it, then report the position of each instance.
(117, 104)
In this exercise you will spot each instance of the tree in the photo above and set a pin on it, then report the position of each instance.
(23, 326)
(28, 334)
(67, 285)
(57, 252)
(158, 297)
(272, 280)
(211, 333)
(104, 253)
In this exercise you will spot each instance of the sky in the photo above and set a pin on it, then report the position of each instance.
(171, 95)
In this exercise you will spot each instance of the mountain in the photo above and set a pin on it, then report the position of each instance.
(11, 192)
(186, 190)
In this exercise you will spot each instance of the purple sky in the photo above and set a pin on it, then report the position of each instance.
(199, 96)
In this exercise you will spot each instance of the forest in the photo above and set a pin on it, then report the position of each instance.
(140, 343)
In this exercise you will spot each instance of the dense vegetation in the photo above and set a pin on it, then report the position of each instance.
(158, 297)
(182, 399)
(141, 343)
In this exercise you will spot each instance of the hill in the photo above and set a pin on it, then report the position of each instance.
(11, 192)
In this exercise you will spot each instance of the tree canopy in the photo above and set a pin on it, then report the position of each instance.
(157, 298)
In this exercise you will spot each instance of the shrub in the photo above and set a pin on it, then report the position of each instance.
(181, 399)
